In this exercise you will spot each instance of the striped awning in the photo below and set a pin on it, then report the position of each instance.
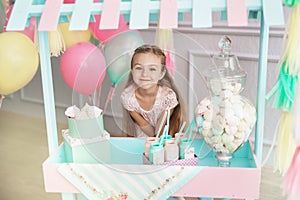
(139, 12)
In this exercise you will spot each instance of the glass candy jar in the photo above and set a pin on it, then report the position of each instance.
(225, 119)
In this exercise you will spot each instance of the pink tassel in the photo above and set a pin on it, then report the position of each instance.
(170, 63)
(291, 182)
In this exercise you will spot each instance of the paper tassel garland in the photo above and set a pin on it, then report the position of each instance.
(296, 116)
(286, 145)
(164, 39)
(284, 89)
(56, 42)
(291, 182)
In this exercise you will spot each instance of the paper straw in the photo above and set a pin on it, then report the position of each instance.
(168, 119)
(161, 124)
(182, 126)
(163, 135)
(180, 130)
(168, 122)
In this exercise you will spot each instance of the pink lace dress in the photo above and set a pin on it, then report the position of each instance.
(165, 99)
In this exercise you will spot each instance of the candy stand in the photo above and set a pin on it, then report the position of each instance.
(241, 180)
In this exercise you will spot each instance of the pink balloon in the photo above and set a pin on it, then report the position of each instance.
(105, 34)
(29, 30)
(83, 67)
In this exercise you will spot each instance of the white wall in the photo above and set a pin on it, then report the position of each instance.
(192, 47)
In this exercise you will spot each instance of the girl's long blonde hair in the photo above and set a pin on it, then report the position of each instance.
(179, 113)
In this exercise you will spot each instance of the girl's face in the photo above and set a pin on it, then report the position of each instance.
(147, 70)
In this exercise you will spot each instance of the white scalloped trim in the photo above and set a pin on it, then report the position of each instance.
(80, 141)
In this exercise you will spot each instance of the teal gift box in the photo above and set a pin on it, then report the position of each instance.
(86, 128)
(87, 150)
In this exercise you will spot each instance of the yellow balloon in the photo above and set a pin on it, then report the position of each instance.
(73, 37)
(19, 61)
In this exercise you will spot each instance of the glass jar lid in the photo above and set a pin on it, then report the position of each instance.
(226, 69)
(227, 64)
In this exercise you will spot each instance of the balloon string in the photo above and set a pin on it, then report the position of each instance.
(91, 99)
(109, 97)
(98, 97)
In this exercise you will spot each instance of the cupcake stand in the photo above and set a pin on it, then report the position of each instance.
(125, 177)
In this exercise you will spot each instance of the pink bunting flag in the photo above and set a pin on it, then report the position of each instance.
(110, 14)
(237, 14)
(50, 16)
(168, 17)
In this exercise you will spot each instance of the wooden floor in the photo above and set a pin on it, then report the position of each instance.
(23, 148)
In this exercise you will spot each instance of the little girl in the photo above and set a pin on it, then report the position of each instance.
(149, 92)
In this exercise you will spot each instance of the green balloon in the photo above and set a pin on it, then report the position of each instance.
(117, 52)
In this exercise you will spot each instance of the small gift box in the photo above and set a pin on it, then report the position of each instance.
(85, 123)
(87, 150)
